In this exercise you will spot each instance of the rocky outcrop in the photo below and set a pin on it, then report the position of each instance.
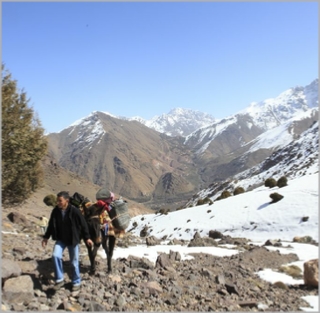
(141, 164)
(18, 289)
(18, 218)
(198, 241)
(152, 241)
(311, 273)
(9, 269)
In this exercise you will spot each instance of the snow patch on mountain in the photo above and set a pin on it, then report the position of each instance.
(89, 129)
(205, 135)
(298, 158)
(311, 92)
(274, 111)
(278, 136)
(265, 115)
(295, 159)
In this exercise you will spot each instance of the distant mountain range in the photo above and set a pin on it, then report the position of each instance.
(169, 159)
(178, 122)
(290, 158)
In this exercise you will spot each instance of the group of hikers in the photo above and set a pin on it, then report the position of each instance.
(68, 224)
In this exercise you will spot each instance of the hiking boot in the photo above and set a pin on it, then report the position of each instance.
(75, 287)
(58, 285)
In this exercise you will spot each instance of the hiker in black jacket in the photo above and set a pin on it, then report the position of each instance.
(66, 226)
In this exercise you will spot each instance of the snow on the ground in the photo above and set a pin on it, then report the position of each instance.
(249, 215)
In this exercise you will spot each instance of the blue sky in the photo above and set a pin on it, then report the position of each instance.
(146, 58)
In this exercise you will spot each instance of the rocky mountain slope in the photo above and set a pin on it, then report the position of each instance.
(249, 154)
(258, 117)
(291, 158)
(224, 141)
(150, 167)
(127, 157)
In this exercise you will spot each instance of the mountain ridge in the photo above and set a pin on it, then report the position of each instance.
(152, 167)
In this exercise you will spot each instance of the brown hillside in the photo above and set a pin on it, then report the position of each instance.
(127, 157)
(57, 179)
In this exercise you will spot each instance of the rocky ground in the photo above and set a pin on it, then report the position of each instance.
(205, 283)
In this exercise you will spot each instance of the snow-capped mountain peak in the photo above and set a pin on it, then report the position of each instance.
(257, 118)
(180, 122)
(273, 111)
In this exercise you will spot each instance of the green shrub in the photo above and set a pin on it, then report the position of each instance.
(238, 190)
(304, 239)
(207, 200)
(275, 197)
(282, 182)
(204, 201)
(164, 211)
(225, 194)
(50, 200)
(270, 182)
(291, 270)
(200, 202)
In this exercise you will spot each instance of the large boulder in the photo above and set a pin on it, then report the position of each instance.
(18, 218)
(152, 241)
(18, 289)
(202, 242)
(311, 273)
(28, 266)
(9, 269)
(144, 231)
(163, 261)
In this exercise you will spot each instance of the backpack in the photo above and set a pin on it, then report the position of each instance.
(119, 214)
(78, 200)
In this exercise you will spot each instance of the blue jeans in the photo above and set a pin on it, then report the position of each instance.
(74, 259)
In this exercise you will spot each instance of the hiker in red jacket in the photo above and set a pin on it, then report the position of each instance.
(101, 228)
(109, 232)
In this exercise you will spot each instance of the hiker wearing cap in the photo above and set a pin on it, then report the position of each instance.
(100, 227)
(66, 226)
